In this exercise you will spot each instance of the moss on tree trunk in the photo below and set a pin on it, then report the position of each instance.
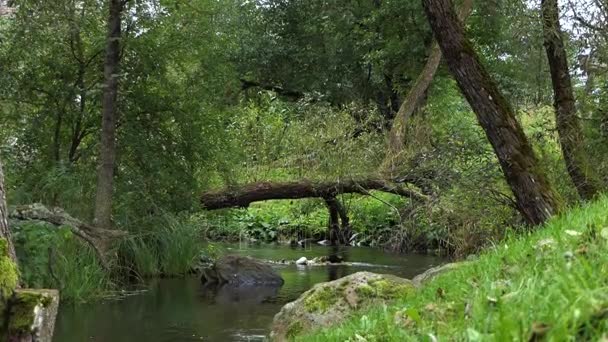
(571, 135)
(534, 196)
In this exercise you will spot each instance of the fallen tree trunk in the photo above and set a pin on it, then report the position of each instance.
(244, 195)
(99, 239)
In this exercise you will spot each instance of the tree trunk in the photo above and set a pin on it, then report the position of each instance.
(105, 179)
(339, 234)
(396, 140)
(5, 233)
(244, 195)
(568, 126)
(534, 196)
(334, 221)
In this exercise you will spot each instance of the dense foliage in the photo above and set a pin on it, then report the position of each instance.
(214, 94)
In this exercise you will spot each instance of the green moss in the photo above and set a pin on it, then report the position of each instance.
(383, 289)
(321, 299)
(9, 275)
(365, 291)
(386, 289)
(22, 310)
(294, 329)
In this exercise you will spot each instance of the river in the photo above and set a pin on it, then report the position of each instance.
(183, 310)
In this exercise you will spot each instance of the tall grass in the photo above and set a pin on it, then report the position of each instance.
(55, 258)
(139, 256)
(180, 243)
(78, 273)
(168, 249)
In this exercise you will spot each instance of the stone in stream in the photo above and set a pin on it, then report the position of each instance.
(240, 270)
(332, 302)
(302, 261)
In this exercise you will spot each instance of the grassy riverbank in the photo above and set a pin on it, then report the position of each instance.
(551, 283)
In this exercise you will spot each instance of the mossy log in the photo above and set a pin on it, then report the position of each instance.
(243, 196)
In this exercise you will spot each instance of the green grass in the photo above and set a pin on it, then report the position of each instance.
(181, 244)
(54, 258)
(169, 249)
(549, 284)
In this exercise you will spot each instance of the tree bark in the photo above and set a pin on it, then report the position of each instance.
(571, 136)
(105, 179)
(256, 192)
(5, 233)
(334, 221)
(534, 196)
(338, 233)
(397, 134)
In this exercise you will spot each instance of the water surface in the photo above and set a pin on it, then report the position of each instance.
(184, 310)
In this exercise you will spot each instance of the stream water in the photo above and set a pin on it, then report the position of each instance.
(183, 310)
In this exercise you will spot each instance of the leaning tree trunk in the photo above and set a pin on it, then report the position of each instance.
(397, 134)
(105, 178)
(568, 126)
(5, 233)
(534, 196)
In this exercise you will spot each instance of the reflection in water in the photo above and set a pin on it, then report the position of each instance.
(244, 294)
(184, 310)
(337, 255)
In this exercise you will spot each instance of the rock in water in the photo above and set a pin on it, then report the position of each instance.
(302, 261)
(240, 270)
(330, 303)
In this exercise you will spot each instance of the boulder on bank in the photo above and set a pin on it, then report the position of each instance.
(240, 270)
(330, 303)
(435, 271)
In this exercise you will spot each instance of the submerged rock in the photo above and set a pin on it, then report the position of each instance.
(240, 270)
(332, 302)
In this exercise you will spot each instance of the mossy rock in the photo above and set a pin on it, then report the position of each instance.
(31, 315)
(434, 272)
(332, 302)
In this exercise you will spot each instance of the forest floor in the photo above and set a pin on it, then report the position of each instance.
(548, 284)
